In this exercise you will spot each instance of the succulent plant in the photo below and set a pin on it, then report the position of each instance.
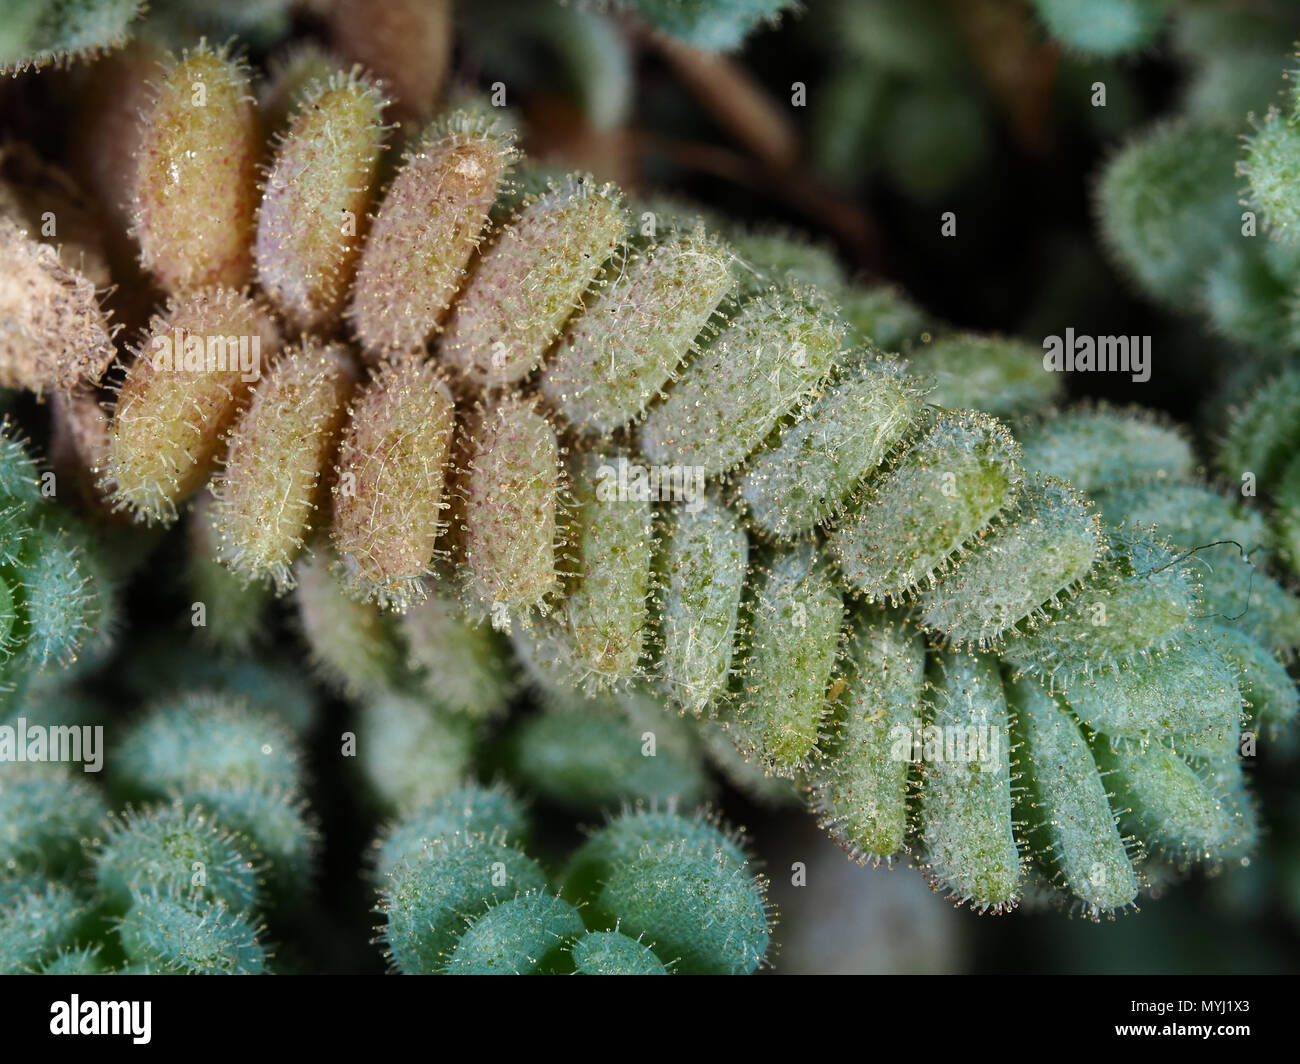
(498, 434)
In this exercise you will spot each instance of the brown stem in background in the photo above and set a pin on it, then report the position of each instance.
(773, 162)
(776, 165)
(796, 188)
(1018, 65)
(735, 100)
